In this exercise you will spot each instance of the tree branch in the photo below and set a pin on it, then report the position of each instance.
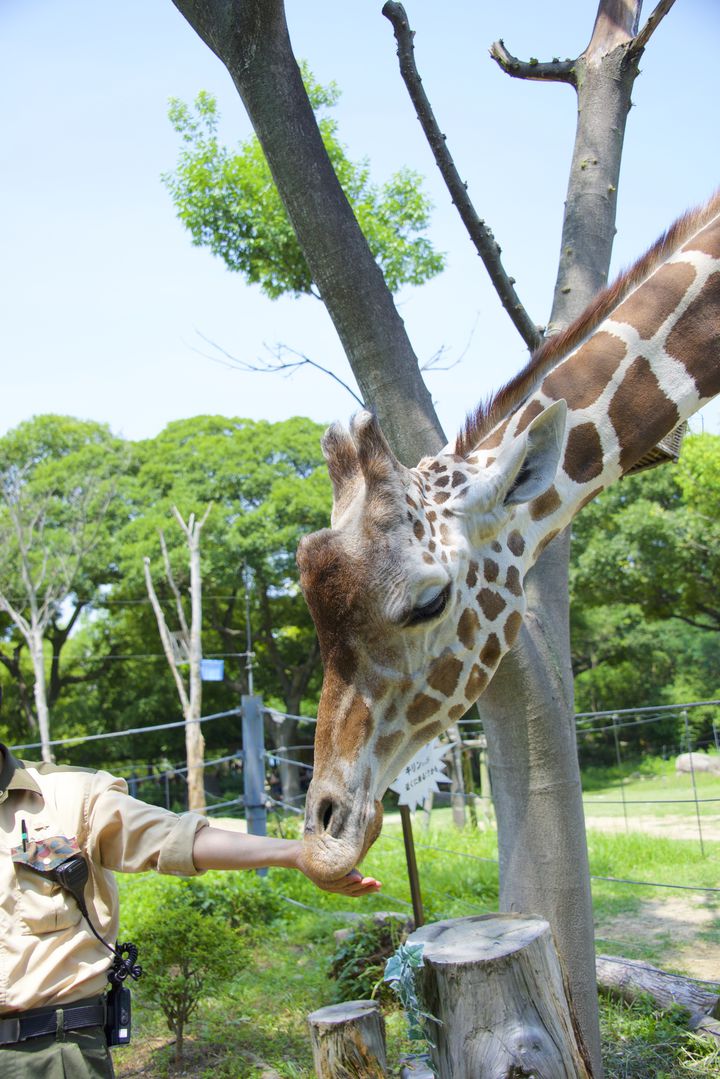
(654, 20)
(265, 367)
(480, 234)
(552, 71)
(173, 588)
(165, 637)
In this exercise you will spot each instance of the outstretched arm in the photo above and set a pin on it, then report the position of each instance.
(219, 848)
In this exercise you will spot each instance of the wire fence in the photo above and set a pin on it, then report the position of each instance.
(613, 798)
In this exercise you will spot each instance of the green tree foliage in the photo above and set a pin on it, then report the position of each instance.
(187, 954)
(645, 585)
(58, 512)
(656, 540)
(228, 201)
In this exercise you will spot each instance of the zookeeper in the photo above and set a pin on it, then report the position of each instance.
(53, 970)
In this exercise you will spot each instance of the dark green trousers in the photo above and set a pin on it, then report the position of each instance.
(77, 1054)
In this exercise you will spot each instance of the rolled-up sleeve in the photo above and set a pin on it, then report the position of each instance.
(131, 836)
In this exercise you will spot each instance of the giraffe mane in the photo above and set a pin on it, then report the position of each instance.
(490, 412)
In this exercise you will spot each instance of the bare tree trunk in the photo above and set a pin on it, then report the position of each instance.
(35, 645)
(194, 741)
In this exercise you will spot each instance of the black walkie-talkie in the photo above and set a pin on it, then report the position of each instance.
(72, 876)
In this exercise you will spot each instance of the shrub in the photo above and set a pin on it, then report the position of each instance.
(358, 964)
(186, 954)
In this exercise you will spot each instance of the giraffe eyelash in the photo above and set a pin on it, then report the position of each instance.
(431, 610)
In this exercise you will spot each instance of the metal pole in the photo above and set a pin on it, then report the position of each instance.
(248, 632)
(688, 739)
(413, 877)
(619, 764)
(253, 735)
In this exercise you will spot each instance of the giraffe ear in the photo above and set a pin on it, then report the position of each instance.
(379, 465)
(534, 460)
(343, 465)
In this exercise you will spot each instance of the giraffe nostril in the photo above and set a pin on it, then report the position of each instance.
(325, 813)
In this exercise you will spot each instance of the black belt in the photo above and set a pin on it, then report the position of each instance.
(39, 1021)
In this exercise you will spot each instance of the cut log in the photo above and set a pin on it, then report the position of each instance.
(496, 987)
(348, 1041)
(628, 978)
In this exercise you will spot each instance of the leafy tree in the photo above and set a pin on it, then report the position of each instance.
(268, 485)
(654, 540)
(527, 707)
(229, 203)
(58, 481)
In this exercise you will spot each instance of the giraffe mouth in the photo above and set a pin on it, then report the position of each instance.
(337, 835)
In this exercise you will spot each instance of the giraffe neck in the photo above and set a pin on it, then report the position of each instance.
(651, 361)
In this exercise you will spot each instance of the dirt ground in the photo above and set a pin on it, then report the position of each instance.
(683, 826)
(676, 922)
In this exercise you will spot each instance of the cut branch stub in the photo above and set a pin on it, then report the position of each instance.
(348, 1041)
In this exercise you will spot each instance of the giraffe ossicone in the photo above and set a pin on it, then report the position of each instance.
(417, 588)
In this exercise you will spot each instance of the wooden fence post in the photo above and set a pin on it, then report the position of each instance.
(348, 1041)
(495, 984)
(253, 740)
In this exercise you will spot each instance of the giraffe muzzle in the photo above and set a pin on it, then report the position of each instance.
(338, 832)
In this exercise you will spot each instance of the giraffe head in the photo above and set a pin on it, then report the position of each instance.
(416, 592)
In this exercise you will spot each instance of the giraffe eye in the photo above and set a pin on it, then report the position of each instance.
(427, 611)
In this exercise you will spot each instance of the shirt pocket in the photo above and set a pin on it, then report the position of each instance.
(42, 905)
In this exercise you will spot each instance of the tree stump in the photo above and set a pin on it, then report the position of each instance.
(496, 986)
(348, 1041)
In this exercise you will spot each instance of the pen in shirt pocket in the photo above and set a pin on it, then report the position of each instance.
(24, 835)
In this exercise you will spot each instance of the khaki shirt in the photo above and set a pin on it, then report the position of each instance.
(47, 952)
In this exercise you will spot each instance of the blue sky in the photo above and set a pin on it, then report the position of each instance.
(102, 296)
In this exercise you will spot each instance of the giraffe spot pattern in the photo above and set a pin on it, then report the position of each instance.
(491, 603)
(476, 683)
(472, 575)
(467, 628)
(695, 339)
(490, 569)
(707, 241)
(443, 481)
(585, 375)
(418, 530)
(355, 730)
(545, 504)
(640, 394)
(428, 558)
(495, 437)
(444, 674)
(515, 542)
(646, 310)
(442, 496)
(456, 712)
(512, 581)
(490, 653)
(588, 498)
(512, 627)
(583, 453)
(458, 478)
(388, 743)
(533, 409)
(421, 708)
(545, 542)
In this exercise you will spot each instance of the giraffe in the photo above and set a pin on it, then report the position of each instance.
(417, 588)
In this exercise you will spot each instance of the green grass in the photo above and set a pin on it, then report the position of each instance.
(650, 788)
(259, 1021)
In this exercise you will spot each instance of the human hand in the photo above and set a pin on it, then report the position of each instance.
(354, 884)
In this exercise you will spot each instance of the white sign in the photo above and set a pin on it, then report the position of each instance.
(420, 777)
